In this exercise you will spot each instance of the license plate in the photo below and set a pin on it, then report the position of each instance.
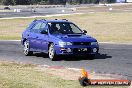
(82, 49)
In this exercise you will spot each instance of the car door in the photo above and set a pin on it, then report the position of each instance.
(43, 37)
(34, 35)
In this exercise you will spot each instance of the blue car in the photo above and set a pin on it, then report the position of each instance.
(58, 37)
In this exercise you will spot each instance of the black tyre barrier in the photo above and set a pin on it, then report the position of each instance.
(84, 81)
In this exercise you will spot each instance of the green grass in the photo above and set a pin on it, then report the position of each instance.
(106, 27)
(14, 75)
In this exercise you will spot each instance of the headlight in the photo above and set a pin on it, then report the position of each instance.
(65, 43)
(94, 43)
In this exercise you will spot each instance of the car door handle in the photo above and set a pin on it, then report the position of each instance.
(37, 37)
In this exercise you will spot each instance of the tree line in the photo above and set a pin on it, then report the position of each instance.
(50, 2)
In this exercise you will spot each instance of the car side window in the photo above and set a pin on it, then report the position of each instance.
(43, 28)
(36, 27)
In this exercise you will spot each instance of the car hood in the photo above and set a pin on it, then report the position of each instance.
(74, 38)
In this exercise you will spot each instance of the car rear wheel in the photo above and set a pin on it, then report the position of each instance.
(52, 53)
(26, 49)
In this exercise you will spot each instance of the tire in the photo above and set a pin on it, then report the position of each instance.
(52, 53)
(26, 49)
(84, 81)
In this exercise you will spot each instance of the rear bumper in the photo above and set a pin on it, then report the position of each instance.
(76, 50)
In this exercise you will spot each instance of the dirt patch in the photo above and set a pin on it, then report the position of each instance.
(73, 74)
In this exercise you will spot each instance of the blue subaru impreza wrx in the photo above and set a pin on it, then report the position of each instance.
(58, 37)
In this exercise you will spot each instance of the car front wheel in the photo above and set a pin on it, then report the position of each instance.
(26, 49)
(52, 54)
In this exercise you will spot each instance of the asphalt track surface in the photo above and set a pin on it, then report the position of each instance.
(38, 12)
(26, 11)
(113, 58)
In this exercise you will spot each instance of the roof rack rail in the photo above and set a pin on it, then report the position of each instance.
(35, 20)
(65, 19)
(44, 19)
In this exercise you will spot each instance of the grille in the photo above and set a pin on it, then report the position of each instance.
(81, 43)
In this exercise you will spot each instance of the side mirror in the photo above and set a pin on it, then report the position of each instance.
(84, 31)
(44, 32)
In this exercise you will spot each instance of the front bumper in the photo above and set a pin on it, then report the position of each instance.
(76, 50)
(22, 41)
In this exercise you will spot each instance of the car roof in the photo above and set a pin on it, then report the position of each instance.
(55, 20)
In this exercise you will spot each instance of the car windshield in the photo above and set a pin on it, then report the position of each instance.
(63, 28)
